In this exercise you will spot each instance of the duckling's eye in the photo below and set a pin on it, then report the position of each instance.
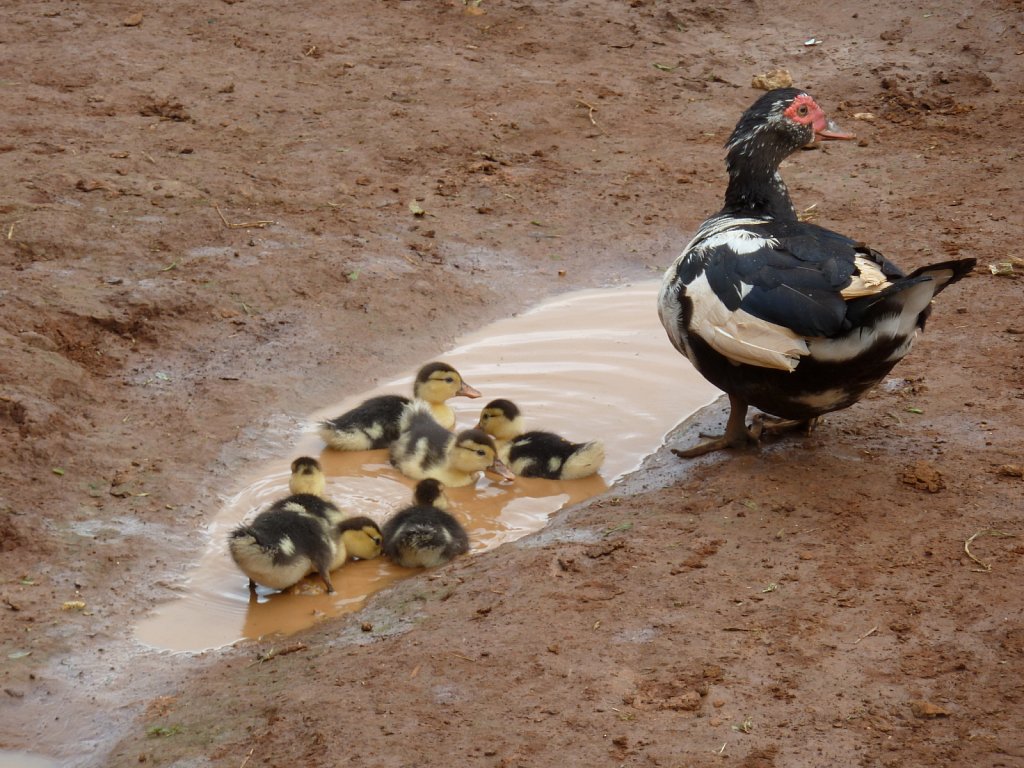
(481, 452)
(449, 379)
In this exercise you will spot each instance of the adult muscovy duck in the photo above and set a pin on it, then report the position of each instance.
(782, 314)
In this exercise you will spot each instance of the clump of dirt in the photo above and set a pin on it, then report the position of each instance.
(924, 477)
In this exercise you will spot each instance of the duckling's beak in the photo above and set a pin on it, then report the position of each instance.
(498, 467)
(467, 391)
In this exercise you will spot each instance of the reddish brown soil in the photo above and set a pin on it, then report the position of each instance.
(809, 604)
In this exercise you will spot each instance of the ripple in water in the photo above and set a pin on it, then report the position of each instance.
(588, 365)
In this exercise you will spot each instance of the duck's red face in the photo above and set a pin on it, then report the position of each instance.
(804, 110)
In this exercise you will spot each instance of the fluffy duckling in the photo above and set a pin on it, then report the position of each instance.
(296, 536)
(374, 423)
(362, 538)
(425, 535)
(307, 477)
(537, 453)
(361, 535)
(426, 449)
(302, 533)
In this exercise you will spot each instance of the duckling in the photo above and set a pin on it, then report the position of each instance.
(362, 538)
(302, 533)
(426, 449)
(425, 535)
(296, 536)
(430, 493)
(537, 453)
(374, 423)
(361, 535)
(307, 477)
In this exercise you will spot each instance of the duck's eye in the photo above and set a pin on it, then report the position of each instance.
(481, 452)
(450, 380)
(803, 110)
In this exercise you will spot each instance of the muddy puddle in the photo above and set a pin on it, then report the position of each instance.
(590, 364)
(9, 759)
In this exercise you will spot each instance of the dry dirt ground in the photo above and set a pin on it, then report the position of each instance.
(207, 235)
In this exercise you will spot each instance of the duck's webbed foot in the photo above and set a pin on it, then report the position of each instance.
(763, 424)
(736, 433)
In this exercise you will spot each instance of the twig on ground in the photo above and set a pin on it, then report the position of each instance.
(591, 109)
(985, 567)
(260, 224)
(274, 652)
(869, 633)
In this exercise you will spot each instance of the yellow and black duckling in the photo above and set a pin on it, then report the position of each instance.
(537, 453)
(308, 477)
(425, 535)
(374, 423)
(300, 534)
(361, 535)
(362, 538)
(426, 449)
(296, 536)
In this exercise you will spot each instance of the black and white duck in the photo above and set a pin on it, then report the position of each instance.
(779, 313)
(374, 422)
(537, 453)
(426, 449)
(425, 535)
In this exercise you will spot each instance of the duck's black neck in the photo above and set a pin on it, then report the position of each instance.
(755, 186)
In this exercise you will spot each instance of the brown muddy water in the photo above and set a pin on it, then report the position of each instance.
(587, 365)
(11, 759)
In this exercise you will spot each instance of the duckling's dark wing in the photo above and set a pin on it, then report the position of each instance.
(322, 509)
(377, 418)
(419, 431)
(307, 536)
(540, 454)
(424, 528)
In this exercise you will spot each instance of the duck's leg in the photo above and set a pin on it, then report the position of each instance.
(736, 433)
(322, 562)
(325, 574)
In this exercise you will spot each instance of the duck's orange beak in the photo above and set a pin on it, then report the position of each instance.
(498, 467)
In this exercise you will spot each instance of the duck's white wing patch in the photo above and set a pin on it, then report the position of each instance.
(739, 241)
(867, 280)
(741, 336)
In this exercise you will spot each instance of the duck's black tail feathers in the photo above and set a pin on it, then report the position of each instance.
(861, 311)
